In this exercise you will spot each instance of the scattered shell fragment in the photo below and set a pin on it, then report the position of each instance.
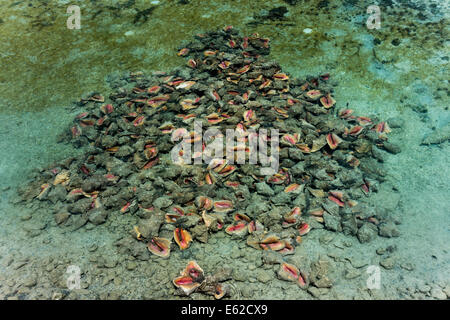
(281, 76)
(382, 127)
(185, 85)
(337, 197)
(290, 272)
(292, 217)
(138, 233)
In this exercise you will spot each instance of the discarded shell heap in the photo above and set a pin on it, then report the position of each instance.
(329, 157)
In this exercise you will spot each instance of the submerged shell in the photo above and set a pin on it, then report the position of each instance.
(241, 216)
(62, 178)
(288, 248)
(333, 140)
(45, 188)
(319, 143)
(208, 219)
(303, 280)
(288, 272)
(238, 228)
(327, 101)
(159, 246)
(313, 94)
(203, 203)
(294, 188)
(275, 246)
(304, 228)
(255, 226)
(337, 197)
(220, 291)
(224, 86)
(194, 271)
(292, 217)
(186, 284)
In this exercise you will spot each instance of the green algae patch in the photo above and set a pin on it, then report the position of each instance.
(44, 64)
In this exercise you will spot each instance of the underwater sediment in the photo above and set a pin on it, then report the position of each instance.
(330, 162)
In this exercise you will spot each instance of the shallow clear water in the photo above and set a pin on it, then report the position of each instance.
(397, 71)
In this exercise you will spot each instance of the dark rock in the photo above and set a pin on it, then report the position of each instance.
(378, 154)
(438, 136)
(189, 221)
(271, 218)
(388, 263)
(257, 206)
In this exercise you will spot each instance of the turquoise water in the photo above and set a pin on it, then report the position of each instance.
(399, 72)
